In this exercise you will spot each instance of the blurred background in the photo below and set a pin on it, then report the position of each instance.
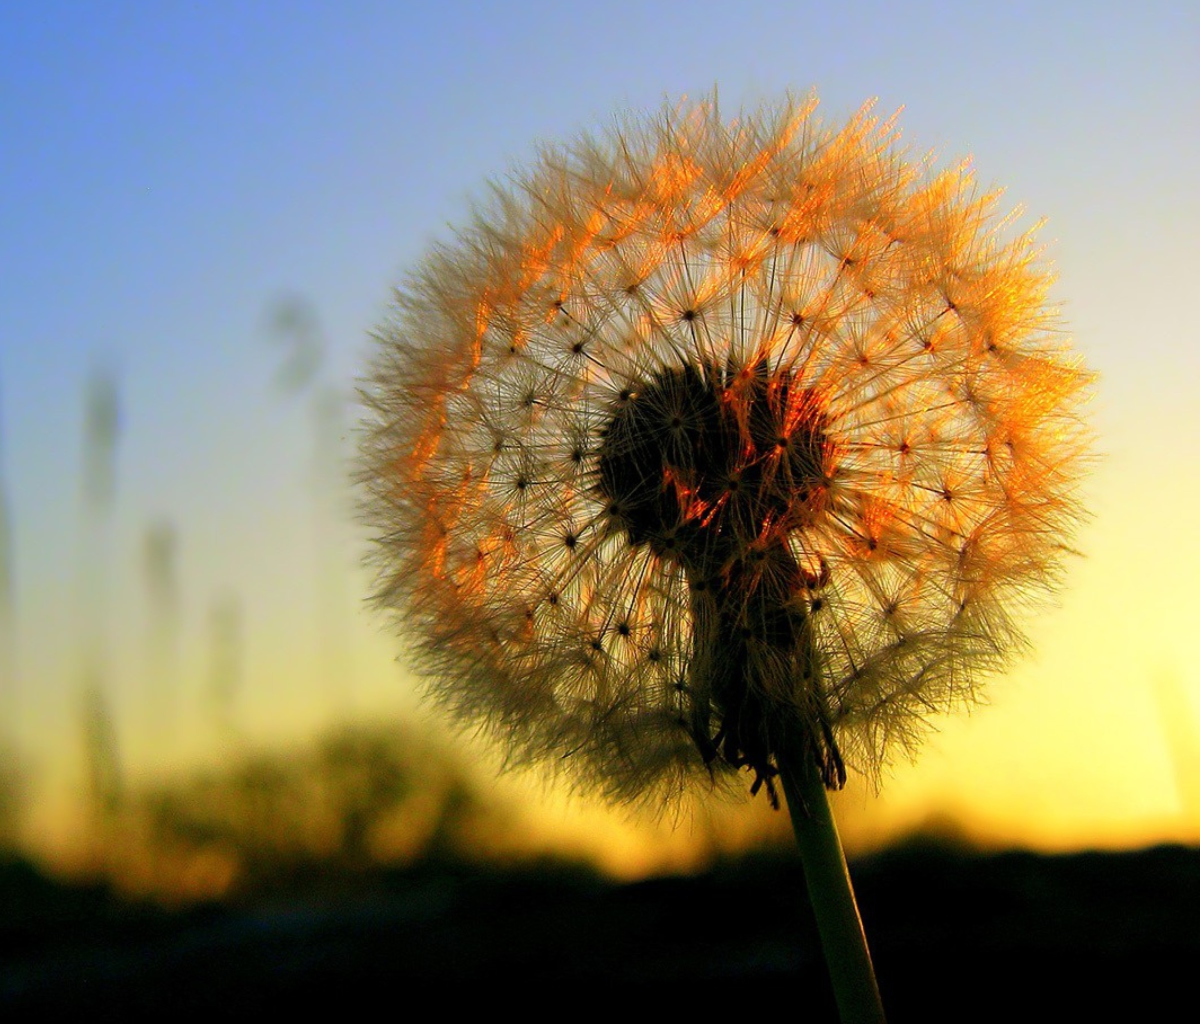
(202, 210)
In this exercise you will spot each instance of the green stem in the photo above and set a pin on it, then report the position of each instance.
(831, 894)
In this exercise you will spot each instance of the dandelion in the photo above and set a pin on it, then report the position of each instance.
(721, 445)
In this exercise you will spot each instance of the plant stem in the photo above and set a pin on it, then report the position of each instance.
(831, 894)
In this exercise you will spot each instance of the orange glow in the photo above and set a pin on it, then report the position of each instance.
(671, 176)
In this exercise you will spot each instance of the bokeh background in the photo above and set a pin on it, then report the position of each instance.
(202, 210)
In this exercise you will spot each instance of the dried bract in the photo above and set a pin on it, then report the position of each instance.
(713, 436)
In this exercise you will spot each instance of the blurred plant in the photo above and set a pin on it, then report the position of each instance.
(8, 610)
(364, 777)
(1183, 739)
(105, 783)
(360, 796)
(226, 657)
(296, 326)
(14, 794)
(160, 571)
(13, 779)
(102, 427)
(102, 763)
(714, 445)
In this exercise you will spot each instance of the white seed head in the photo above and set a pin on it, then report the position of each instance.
(708, 436)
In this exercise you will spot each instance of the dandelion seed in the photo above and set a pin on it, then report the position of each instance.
(711, 438)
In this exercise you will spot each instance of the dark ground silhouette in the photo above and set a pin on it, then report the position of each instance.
(956, 936)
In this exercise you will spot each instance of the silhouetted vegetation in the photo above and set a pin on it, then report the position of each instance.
(13, 795)
(360, 798)
(957, 936)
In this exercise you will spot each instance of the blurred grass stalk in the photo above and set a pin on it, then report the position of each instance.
(102, 765)
(160, 571)
(1182, 740)
(8, 607)
(295, 326)
(226, 664)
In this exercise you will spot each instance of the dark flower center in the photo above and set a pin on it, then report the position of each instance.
(701, 464)
(713, 469)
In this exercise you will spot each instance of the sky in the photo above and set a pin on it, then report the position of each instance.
(176, 179)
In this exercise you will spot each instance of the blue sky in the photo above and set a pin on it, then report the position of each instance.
(171, 171)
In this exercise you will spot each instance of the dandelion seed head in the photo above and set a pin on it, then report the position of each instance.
(712, 436)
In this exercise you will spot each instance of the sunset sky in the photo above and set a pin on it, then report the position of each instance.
(173, 176)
